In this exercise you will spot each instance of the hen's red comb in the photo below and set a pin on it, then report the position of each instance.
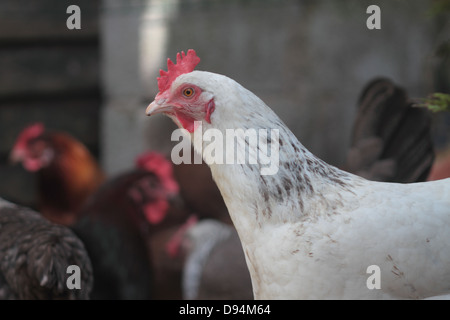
(185, 64)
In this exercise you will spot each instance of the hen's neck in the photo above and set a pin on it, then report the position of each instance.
(300, 188)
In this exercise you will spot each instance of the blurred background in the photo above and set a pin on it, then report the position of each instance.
(308, 60)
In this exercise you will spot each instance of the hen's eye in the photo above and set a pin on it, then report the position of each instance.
(188, 92)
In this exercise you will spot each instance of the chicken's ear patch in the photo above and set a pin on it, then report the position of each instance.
(185, 63)
(210, 107)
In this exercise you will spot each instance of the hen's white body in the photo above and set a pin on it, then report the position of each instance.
(312, 230)
(404, 229)
(395, 227)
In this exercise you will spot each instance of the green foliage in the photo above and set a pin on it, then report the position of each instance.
(436, 102)
(439, 7)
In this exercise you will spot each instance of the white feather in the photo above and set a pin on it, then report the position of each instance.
(203, 237)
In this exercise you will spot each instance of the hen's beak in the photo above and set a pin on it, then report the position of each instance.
(16, 156)
(158, 106)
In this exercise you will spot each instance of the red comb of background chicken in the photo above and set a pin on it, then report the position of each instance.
(30, 132)
(185, 64)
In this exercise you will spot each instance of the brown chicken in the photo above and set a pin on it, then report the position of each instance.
(67, 173)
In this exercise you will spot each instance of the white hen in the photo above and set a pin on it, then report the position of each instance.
(311, 230)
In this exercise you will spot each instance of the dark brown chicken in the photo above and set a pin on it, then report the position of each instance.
(391, 139)
(35, 255)
(67, 173)
(117, 226)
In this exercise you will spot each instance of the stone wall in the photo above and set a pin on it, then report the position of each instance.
(49, 74)
(308, 60)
